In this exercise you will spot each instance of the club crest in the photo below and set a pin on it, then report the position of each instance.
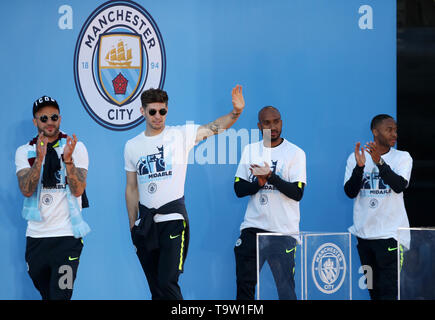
(119, 54)
(119, 66)
(328, 268)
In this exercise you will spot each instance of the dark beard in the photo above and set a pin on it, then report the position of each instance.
(275, 139)
(55, 133)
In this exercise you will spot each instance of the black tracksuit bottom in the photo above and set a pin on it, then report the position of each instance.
(278, 251)
(162, 266)
(381, 256)
(52, 265)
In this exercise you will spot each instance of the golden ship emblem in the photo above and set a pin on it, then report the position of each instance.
(117, 56)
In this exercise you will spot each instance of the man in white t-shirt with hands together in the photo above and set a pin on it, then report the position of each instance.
(273, 173)
(376, 176)
(51, 170)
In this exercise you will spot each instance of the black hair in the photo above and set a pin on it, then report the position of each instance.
(153, 95)
(265, 108)
(378, 119)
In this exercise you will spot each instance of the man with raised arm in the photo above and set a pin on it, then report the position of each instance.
(156, 164)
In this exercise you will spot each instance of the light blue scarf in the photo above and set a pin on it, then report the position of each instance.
(31, 206)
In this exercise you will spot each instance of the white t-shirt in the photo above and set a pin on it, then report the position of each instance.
(53, 203)
(378, 211)
(160, 163)
(269, 209)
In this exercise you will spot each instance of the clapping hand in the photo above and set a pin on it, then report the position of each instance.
(262, 173)
(372, 149)
(41, 147)
(69, 148)
(360, 156)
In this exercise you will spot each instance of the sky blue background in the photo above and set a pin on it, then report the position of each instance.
(308, 58)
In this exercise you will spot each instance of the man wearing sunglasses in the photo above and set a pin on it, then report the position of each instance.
(51, 171)
(156, 164)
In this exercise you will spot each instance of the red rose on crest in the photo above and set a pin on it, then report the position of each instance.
(120, 84)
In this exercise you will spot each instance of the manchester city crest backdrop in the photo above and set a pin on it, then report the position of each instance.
(328, 66)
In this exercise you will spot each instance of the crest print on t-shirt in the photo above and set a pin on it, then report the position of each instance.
(155, 166)
(373, 185)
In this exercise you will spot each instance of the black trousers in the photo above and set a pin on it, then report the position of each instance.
(278, 251)
(381, 256)
(162, 266)
(52, 265)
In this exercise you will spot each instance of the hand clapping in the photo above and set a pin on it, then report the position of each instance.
(262, 173)
(371, 149)
(69, 147)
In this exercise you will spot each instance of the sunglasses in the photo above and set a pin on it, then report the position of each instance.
(53, 117)
(154, 111)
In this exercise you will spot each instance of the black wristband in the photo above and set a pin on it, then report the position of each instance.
(293, 190)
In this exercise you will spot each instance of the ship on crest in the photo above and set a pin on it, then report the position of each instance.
(117, 56)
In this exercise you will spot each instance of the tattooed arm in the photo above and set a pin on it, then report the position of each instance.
(225, 121)
(28, 178)
(76, 176)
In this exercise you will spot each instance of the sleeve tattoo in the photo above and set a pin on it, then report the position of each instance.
(76, 179)
(28, 179)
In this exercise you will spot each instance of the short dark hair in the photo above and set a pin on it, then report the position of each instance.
(378, 119)
(264, 108)
(153, 95)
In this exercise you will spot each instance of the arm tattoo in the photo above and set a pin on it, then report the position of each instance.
(213, 127)
(235, 115)
(28, 179)
(218, 125)
(76, 179)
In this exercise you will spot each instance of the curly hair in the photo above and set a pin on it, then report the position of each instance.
(153, 95)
